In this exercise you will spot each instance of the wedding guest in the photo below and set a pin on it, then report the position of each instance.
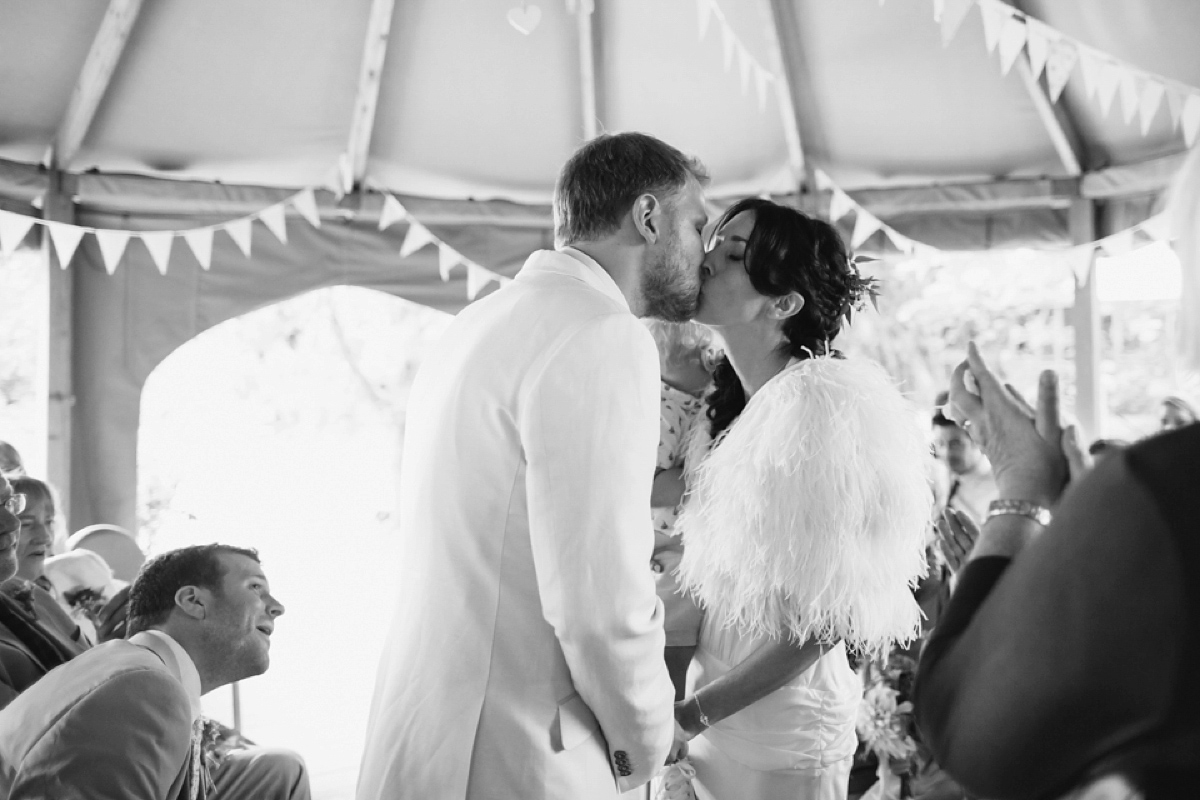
(806, 518)
(84, 586)
(526, 657)
(11, 465)
(1063, 662)
(123, 719)
(972, 485)
(681, 355)
(1176, 412)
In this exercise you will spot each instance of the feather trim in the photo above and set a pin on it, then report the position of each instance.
(810, 516)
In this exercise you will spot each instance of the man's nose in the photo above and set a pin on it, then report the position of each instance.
(274, 607)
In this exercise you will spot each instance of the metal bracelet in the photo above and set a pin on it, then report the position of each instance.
(703, 717)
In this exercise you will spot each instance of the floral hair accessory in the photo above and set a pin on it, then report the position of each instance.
(861, 289)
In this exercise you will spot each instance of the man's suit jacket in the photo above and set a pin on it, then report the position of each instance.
(525, 658)
(20, 667)
(114, 723)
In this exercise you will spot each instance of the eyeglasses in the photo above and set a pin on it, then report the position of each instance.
(15, 504)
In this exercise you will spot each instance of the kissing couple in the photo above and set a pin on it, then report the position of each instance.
(525, 657)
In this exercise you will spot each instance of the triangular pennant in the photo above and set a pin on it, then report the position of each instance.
(13, 228)
(241, 231)
(392, 212)
(704, 16)
(112, 247)
(745, 62)
(200, 240)
(1037, 45)
(1012, 41)
(939, 8)
(994, 15)
(448, 259)
(1063, 58)
(865, 225)
(822, 179)
(1175, 101)
(953, 15)
(1080, 260)
(728, 43)
(477, 279)
(159, 245)
(1110, 80)
(1190, 119)
(306, 203)
(1090, 64)
(275, 218)
(1148, 103)
(840, 205)
(417, 237)
(1119, 243)
(1130, 95)
(66, 240)
(1157, 227)
(902, 242)
(761, 79)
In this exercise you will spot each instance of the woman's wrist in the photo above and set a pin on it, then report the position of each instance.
(1005, 536)
(690, 716)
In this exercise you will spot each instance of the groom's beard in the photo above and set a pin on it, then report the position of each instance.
(670, 290)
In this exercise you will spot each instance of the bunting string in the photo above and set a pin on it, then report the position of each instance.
(1010, 32)
(750, 70)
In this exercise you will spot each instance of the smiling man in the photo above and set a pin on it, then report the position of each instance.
(118, 720)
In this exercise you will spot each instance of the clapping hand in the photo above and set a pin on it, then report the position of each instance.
(1024, 444)
(957, 533)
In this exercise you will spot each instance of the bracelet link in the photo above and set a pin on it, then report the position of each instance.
(1021, 508)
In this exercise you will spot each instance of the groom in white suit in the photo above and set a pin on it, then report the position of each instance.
(525, 658)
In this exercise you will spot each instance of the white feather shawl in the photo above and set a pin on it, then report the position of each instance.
(810, 515)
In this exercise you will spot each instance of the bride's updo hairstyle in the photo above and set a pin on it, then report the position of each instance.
(789, 251)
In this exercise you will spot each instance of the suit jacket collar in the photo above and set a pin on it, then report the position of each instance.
(576, 264)
(177, 660)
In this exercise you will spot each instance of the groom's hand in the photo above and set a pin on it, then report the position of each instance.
(679, 748)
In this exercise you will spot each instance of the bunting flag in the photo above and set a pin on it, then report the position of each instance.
(1119, 243)
(953, 14)
(865, 226)
(1012, 42)
(392, 212)
(417, 237)
(66, 240)
(477, 279)
(750, 69)
(448, 259)
(275, 218)
(840, 205)
(241, 231)
(305, 202)
(1063, 58)
(159, 244)
(13, 228)
(1190, 119)
(1148, 103)
(112, 247)
(200, 240)
(1037, 46)
(994, 15)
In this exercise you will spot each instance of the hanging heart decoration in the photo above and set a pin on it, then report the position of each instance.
(525, 18)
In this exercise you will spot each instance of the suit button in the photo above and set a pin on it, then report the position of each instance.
(622, 759)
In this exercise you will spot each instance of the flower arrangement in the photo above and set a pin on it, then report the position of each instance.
(885, 724)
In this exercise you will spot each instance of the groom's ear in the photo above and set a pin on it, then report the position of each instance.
(648, 217)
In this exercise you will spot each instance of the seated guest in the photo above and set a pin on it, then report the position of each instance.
(1063, 661)
(36, 635)
(119, 720)
(84, 586)
(114, 544)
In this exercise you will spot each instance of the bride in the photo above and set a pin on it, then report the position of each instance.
(805, 523)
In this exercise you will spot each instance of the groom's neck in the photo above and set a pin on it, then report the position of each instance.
(622, 263)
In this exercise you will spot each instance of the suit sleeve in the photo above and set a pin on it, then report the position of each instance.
(126, 740)
(590, 430)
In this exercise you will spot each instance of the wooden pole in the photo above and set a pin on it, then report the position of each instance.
(58, 352)
(1089, 380)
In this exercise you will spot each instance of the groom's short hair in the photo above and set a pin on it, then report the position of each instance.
(600, 182)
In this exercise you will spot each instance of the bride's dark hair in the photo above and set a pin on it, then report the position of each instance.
(789, 251)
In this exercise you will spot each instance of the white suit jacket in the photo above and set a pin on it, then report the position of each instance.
(525, 657)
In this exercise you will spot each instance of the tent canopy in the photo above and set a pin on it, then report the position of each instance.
(173, 114)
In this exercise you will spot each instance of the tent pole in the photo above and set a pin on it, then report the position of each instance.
(58, 354)
(587, 28)
(1085, 318)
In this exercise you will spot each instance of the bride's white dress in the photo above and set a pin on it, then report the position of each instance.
(808, 520)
